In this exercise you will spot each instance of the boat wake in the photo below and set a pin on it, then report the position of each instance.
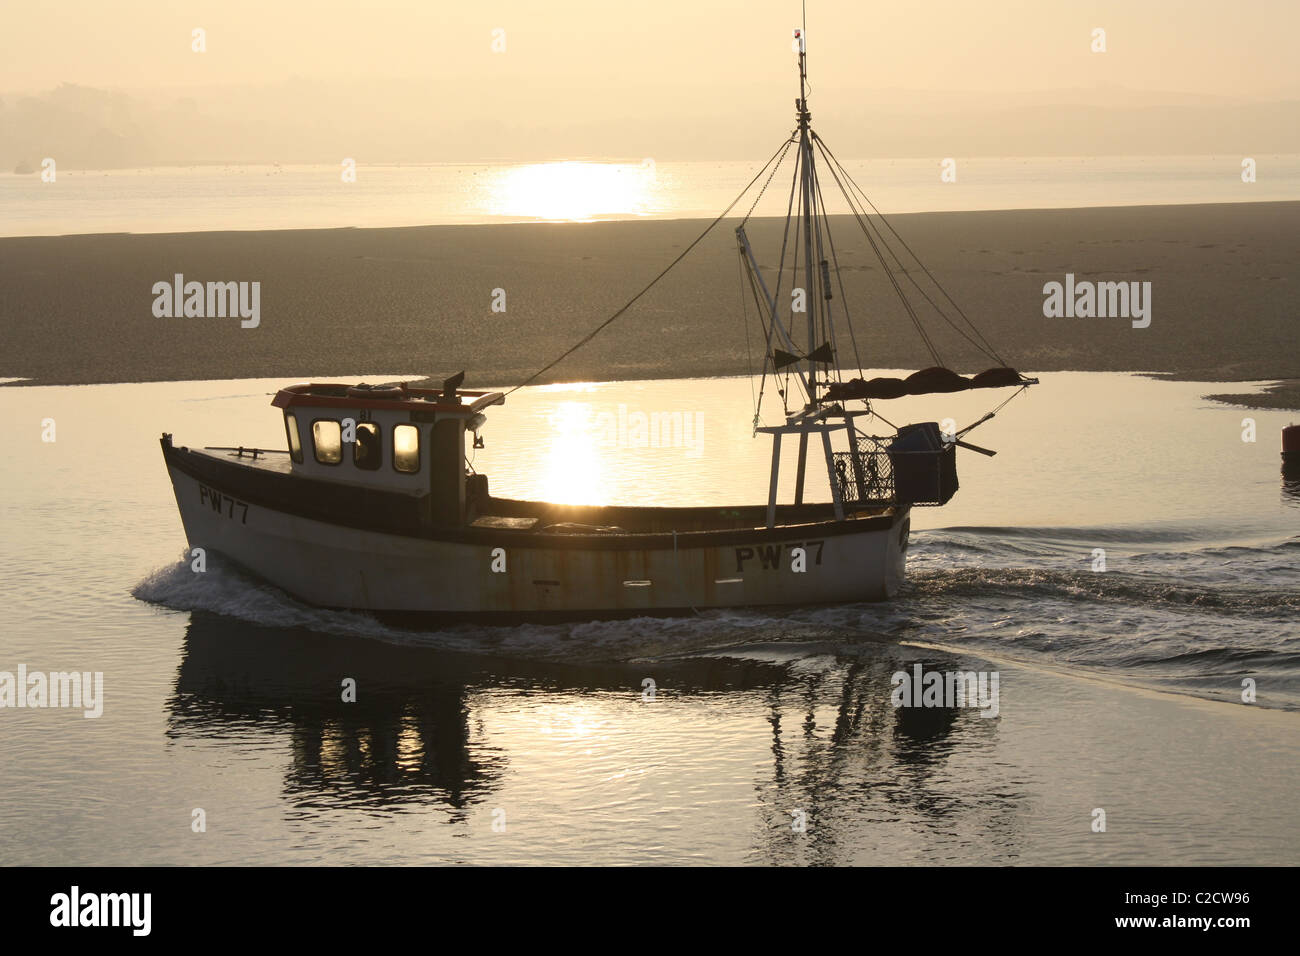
(227, 591)
(1197, 620)
(1193, 621)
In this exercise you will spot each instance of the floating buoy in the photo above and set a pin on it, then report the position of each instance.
(1291, 445)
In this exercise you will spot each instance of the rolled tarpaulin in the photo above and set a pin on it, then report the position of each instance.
(928, 381)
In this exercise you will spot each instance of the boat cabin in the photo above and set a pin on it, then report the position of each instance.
(389, 437)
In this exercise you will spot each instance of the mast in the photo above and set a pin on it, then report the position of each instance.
(813, 418)
(873, 480)
(806, 200)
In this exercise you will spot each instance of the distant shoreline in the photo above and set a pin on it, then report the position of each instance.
(77, 309)
(1283, 396)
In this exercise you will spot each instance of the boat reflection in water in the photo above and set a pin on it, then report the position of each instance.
(406, 738)
(456, 735)
(1291, 487)
(1291, 462)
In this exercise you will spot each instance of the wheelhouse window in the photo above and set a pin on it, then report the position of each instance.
(295, 441)
(367, 450)
(327, 438)
(406, 448)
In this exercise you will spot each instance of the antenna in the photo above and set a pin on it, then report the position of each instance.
(800, 35)
(807, 203)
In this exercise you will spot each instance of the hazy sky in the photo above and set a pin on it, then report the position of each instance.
(414, 80)
(611, 48)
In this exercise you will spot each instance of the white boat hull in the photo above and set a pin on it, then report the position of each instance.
(332, 565)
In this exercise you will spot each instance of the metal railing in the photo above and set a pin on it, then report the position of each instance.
(870, 475)
(865, 475)
(242, 450)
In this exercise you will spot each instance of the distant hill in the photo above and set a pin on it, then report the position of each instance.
(300, 121)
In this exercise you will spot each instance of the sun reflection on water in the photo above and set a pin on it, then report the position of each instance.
(573, 462)
(573, 191)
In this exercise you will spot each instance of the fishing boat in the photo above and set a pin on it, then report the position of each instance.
(373, 505)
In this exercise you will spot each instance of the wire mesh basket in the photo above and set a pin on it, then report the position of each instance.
(914, 467)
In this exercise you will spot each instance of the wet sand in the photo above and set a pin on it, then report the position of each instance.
(79, 309)
(1284, 395)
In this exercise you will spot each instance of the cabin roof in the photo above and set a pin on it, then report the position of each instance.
(391, 397)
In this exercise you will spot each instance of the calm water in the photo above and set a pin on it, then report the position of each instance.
(1119, 689)
(190, 199)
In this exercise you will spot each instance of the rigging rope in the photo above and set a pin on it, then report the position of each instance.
(685, 252)
(744, 314)
(763, 306)
(758, 300)
(822, 281)
(889, 273)
(767, 336)
(987, 347)
(788, 143)
(839, 280)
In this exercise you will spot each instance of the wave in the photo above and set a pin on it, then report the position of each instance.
(1166, 625)
(1130, 534)
(1118, 587)
(226, 590)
